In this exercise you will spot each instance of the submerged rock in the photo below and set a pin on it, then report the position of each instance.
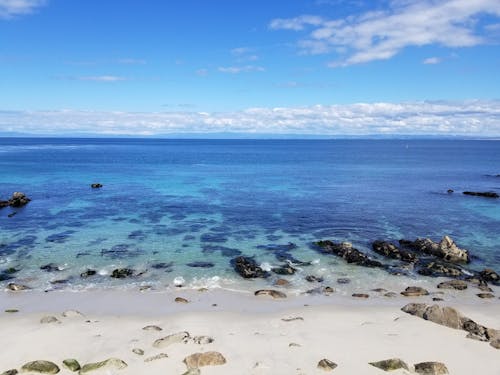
(50, 267)
(197, 360)
(41, 367)
(200, 264)
(453, 284)
(390, 364)
(247, 268)
(18, 199)
(436, 269)
(392, 251)
(108, 364)
(88, 273)
(445, 249)
(489, 275)
(96, 186)
(486, 194)
(348, 253)
(314, 279)
(326, 365)
(121, 273)
(284, 270)
(431, 368)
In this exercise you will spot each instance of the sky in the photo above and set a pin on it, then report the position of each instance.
(328, 67)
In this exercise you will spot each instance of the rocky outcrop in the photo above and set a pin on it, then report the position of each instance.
(449, 317)
(489, 275)
(431, 368)
(40, 367)
(485, 194)
(197, 360)
(390, 250)
(390, 364)
(326, 365)
(18, 199)
(248, 268)
(446, 249)
(438, 269)
(276, 294)
(348, 253)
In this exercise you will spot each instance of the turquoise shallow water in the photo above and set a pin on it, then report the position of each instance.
(168, 203)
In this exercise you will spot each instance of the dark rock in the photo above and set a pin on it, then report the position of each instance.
(390, 364)
(270, 292)
(121, 273)
(431, 368)
(414, 291)
(343, 280)
(13, 371)
(247, 268)
(200, 264)
(18, 199)
(476, 331)
(437, 269)
(347, 252)
(88, 273)
(96, 186)
(453, 284)
(437, 299)
(71, 364)
(445, 249)
(392, 251)
(284, 270)
(486, 194)
(314, 279)
(181, 300)
(361, 295)
(486, 295)
(489, 275)
(449, 191)
(51, 267)
(162, 265)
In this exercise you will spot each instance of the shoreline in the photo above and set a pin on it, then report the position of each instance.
(256, 335)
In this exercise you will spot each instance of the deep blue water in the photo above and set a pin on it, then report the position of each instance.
(182, 201)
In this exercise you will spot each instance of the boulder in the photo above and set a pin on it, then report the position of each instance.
(314, 279)
(17, 287)
(489, 275)
(348, 253)
(247, 268)
(270, 292)
(392, 251)
(197, 360)
(109, 365)
(171, 339)
(390, 364)
(414, 291)
(326, 365)
(486, 295)
(181, 300)
(437, 269)
(431, 368)
(50, 267)
(485, 194)
(71, 364)
(40, 367)
(88, 273)
(284, 270)
(453, 284)
(446, 249)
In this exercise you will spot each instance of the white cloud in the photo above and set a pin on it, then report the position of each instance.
(241, 69)
(432, 60)
(102, 78)
(12, 8)
(471, 118)
(380, 35)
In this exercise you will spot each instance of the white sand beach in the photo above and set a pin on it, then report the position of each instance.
(255, 335)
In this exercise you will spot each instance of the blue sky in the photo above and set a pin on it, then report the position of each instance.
(301, 66)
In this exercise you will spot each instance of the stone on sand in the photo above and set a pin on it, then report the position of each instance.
(431, 368)
(109, 365)
(390, 364)
(72, 364)
(174, 338)
(197, 360)
(40, 367)
(326, 365)
(270, 292)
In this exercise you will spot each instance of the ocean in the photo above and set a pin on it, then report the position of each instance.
(178, 211)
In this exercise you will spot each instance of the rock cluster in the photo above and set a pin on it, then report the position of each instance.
(445, 249)
(18, 199)
(347, 252)
(248, 268)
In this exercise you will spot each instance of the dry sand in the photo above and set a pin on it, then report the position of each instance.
(248, 331)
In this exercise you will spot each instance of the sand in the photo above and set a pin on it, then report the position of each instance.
(247, 330)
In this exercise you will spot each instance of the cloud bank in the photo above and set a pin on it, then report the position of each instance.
(471, 118)
(13, 8)
(380, 35)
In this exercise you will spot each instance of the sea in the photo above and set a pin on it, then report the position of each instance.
(177, 211)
